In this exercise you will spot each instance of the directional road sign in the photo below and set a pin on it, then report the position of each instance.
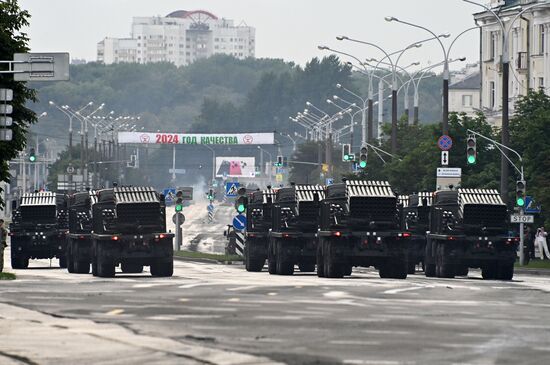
(444, 158)
(531, 206)
(239, 222)
(445, 143)
(231, 189)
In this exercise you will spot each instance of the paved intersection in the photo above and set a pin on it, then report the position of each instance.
(217, 314)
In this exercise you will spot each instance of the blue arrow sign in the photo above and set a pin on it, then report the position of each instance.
(239, 222)
(231, 189)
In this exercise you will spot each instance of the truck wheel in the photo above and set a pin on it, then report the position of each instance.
(332, 268)
(131, 268)
(462, 270)
(307, 266)
(271, 258)
(69, 256)
(105, 266)
(252, 263)
(505, 271)
(162, 269)
(284, 265)
(489, 271)
(398, 267)
(446, 269)
(348, 269)
(320, 259)
(63, 261)
(384, 270)
(94, 262)
(428, 263)
(411, 267)
(81, 267)
(19, 261)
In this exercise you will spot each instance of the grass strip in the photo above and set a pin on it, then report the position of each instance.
(536, 264)
(7, 276)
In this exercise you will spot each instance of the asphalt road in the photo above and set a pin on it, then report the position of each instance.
(217, 314)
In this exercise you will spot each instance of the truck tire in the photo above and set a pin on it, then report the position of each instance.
(63, 261)
(505, 271)
(384, 270)
(445, 268)
(131, 268)
(271, 258)
(162, 269)
(81, 267)
(105, 266)
(252, 263)
(348, 269)
(411, 267)
(320, 259)
(306, 266)
(284, 265)
(332, 268)
(70, 259)
(462, 270)
(94, 262)
(428, 263)
(399, 267)
(19, 261)
(489, 271)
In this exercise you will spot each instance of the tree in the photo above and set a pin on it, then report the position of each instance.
(529, 131)
(13, 40)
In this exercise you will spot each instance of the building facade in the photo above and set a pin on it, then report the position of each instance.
(181, 37)
(464, 94)
(528, 45)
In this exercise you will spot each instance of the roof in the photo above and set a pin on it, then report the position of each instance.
(41, 198)
(471, 82)
(269, 193)
(364, 188)
(403, 199)
(189, 14)
(307, 192)
(135, 195)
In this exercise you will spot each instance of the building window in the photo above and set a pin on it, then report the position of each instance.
(492, 96)
(542, 39)
(467, 100)
(493, 45)
(541, 82)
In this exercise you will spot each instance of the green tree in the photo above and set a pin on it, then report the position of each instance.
(12, 40)
(529, 131)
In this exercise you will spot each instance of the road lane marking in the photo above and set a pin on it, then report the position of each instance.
(115, 312)
(355, 342)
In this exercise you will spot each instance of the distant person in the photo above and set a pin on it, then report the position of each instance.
(529, 241)
(3, 244)
(540, 242)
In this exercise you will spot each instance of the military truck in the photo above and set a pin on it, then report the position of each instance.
(360, 226)
(415, 220)
(468, 229)
(79, 239)
(258, 224)
(39, 228)
(129, 228)
(292, 239)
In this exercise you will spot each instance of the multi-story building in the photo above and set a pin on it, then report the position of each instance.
(181, 37)
(528, 45)
(464, 94)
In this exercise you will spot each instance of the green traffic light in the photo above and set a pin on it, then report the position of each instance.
(179, 207)
(363, 164)
(32, 158)
(240, 208)
(346, 157)
(471, 159)
(520, 202)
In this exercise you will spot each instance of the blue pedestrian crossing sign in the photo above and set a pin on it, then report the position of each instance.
(239, 222)
(329, 181)
(231, 189)
(169, 194)
(531, 206)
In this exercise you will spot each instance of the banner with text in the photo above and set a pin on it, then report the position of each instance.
(196, 138)
(235, 167)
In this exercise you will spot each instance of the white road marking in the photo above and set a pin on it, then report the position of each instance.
(280, 318)
(355, 342)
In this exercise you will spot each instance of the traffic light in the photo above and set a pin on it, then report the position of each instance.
(363, 157)
(279, 162)
(471, 147)
(32, 155)
(520, 193)
(242, 201)
(179, 201)
(346, 151)
(285, 162)
(211, 195)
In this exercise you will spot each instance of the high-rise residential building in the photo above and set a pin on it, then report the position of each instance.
(181, 37)
(528, 45)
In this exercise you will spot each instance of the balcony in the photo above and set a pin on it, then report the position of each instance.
(522, 62)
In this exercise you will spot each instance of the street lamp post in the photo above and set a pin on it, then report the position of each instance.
(270, 161)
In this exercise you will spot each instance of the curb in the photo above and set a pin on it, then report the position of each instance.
(537, 272)
(206, 261)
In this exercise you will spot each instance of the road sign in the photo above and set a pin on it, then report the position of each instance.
(239, 222)
(279, 178)
(177, 171)
(444, 158)
(531, 206)
(449, 172)
(6, 94)
(231, 189)
(169, 194)
(445, 143)
(518, 218)
(329, 181)
(41, 67)
(70, 170)
(175, 216)
(324, 167)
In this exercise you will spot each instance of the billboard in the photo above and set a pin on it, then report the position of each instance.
(235, 167)
(197, 138)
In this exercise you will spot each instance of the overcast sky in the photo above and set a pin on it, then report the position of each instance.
(287, 29)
